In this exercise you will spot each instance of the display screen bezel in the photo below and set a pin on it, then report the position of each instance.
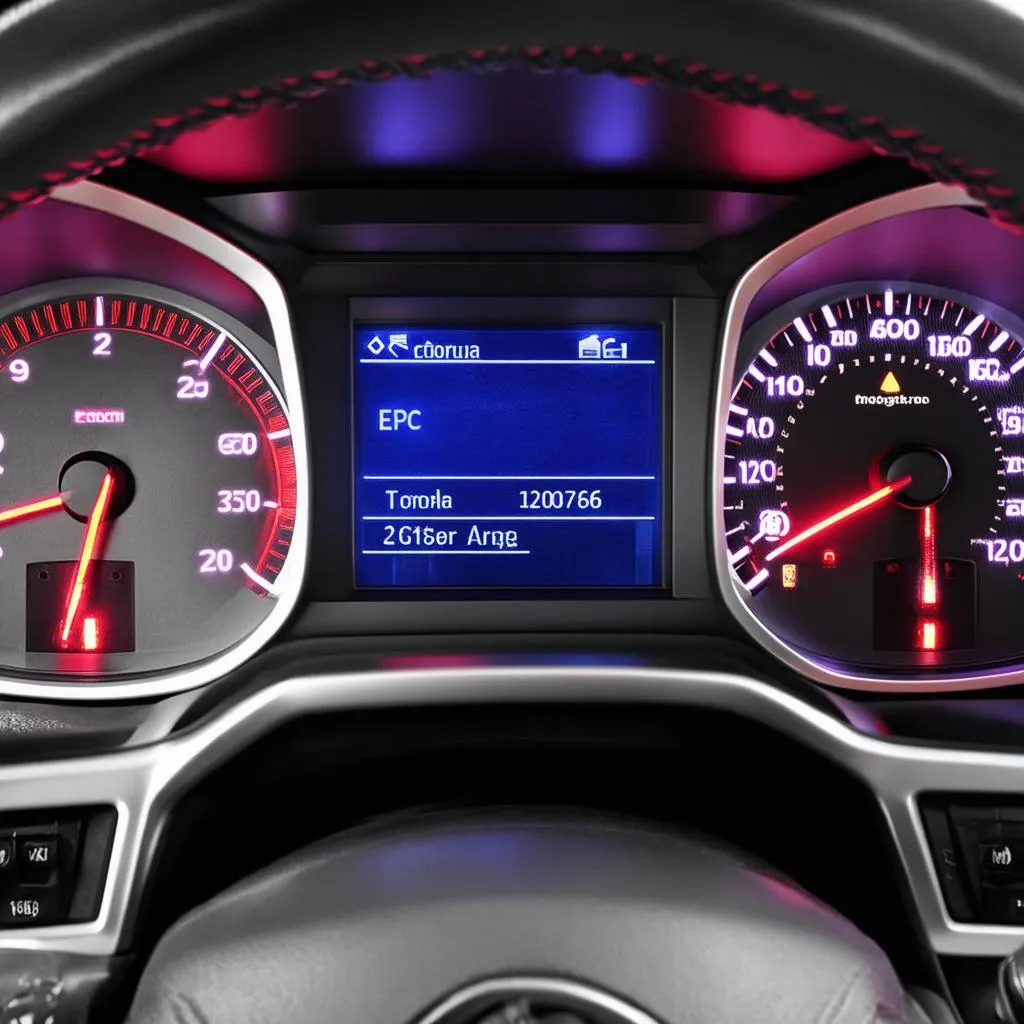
(434, 312)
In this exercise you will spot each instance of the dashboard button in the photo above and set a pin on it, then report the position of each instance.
(37, 859)
(6, 854)
(33, 906)
(1000, 861)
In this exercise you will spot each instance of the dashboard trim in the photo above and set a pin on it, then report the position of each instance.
(144, 782)
(289, 583)
(736, 596)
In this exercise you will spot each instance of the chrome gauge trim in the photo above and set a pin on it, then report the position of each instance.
(289, 583)
(144, 782)
(736, 596)
(574, 993)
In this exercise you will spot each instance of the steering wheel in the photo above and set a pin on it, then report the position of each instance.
(383, 926)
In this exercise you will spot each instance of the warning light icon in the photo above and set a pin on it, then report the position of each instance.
(890, 385)
(789, 576)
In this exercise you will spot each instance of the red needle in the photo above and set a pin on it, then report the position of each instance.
(837, 517)
(928, 593)
(92, 532)
(10, 515)
(929, 577)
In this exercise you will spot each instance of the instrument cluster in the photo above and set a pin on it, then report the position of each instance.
(494, 459)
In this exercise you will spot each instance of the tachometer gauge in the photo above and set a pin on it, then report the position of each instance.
(872, 482)
(148, 489)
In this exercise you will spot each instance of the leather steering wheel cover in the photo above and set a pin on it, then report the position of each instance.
(376, 926)
(937, 81)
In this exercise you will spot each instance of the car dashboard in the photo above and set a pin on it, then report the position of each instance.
(279, 457)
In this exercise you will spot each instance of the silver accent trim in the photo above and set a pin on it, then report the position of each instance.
(737, 597)
(289, 583)
(143, 782)
(510, 988)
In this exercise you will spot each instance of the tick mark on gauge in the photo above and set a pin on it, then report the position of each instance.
(249, 571)
(974, 324)
(756, 581)
(735, 557)
(276, 435)
(211, 352)
(100, 312)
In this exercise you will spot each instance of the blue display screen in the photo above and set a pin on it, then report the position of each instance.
(508, 457)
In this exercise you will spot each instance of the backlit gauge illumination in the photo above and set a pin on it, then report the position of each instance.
(872, 481)
(147, 481)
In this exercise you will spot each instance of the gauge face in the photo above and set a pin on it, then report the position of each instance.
(873, 482)
(147, 481)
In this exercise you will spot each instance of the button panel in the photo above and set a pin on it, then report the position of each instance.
(36, 886)
(53, 865)
(978, 853)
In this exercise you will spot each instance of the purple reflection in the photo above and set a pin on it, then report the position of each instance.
(462, 852)
(611, 122)
(416, 121)
(732, 212)
(945, 247)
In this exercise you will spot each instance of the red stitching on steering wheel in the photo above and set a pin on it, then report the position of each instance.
(1000, 200)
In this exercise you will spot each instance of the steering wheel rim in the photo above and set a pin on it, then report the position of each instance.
(936, 82)
(933, 81)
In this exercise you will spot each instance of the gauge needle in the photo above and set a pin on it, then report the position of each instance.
(31, 508)
(89, 544)
(929, 575)
(847, 512)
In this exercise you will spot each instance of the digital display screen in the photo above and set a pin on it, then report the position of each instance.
(508, 457)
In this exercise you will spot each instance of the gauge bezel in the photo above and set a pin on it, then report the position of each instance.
(743, 295)
(289, 582)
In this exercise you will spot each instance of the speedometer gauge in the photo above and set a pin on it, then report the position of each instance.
(872, 481)
(147, 481)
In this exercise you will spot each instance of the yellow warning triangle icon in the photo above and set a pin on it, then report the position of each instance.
(890, 385)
